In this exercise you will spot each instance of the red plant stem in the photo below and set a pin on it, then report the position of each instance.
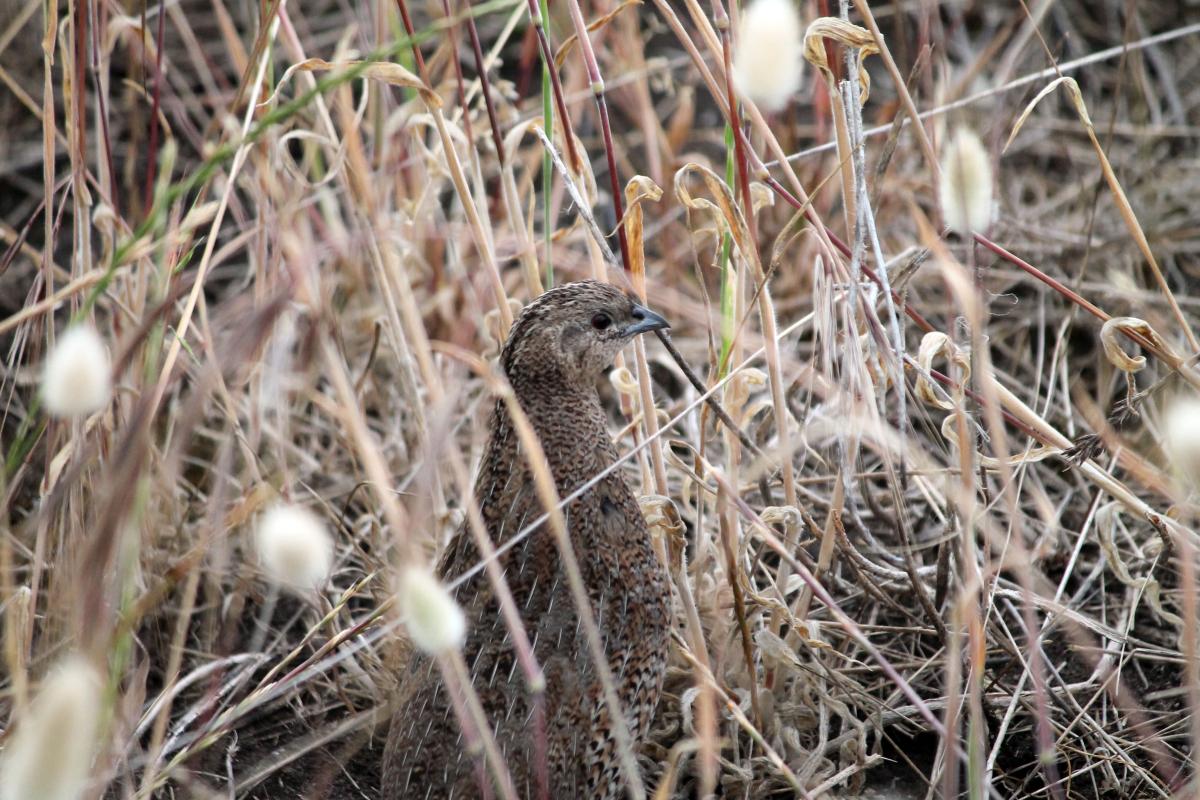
(913, 314)
(1173, 361)
(1054, 284)
(526, 61)
(535, 15)
(614, 179)
(1012, 258)
(458, 74)
(485, 88)
(597, 81)
(416, 48)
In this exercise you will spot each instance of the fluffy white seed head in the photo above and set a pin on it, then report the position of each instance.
(50, 755)
(966, 184)
(77, 377)
(769, 63)
(294, 547)
(1181, 438)
(435, 622)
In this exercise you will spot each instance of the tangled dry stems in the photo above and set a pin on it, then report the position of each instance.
(287, 291)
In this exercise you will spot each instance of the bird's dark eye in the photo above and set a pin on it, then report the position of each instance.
(601, 321)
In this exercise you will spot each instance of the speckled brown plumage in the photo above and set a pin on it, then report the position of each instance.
(557, 350)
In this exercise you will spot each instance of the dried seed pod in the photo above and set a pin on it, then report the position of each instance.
(768, 67)
(966, 184)
(77, 377)
(435, 621)
(1181, 438)
(294, 547)
(49, 756)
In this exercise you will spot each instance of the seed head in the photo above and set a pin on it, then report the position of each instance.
(768, 65)
(49, 756)
(294, 547)
(966, 184)
(77, 377)
(435, 622)
(1181, 438)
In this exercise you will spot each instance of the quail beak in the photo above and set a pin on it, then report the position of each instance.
(644, 320)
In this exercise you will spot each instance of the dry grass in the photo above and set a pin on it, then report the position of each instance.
(946, 553)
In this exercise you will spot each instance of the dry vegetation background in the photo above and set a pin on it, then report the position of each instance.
(296, 270)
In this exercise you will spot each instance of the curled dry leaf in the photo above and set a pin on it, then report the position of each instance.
(686, 701)
(623, 381)
(761, 196)
(873, 361)
(1031, 456)
(792, 231)
(1124, 326)
(936, 344)
(739, 389)
(752, 410)
(492, 326)
(383, 71)
(1108, 521)
(776, 653)
(104, 220)
(518, 132)
(787, 516)
(130, 30)
(1076, 99)
(667, 530)
(846, 34)
(724, 211)
(639, 189)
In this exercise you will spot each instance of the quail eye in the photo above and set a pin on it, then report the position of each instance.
(601, 321)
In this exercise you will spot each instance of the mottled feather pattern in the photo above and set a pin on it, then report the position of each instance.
(554, 355)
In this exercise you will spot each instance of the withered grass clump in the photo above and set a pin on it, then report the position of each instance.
(920, 494)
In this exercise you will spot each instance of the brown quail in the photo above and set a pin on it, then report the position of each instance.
(557, 350)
